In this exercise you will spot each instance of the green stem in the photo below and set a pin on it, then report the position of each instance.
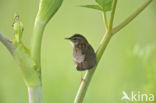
(112, 16)
(131, 17)
(105, 20)
(7, 43)
(83, 87)
(35, 94)
(103, 44)
(36, 42)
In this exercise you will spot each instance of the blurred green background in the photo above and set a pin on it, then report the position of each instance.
(128, 64)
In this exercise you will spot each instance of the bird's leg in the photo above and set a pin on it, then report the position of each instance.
(82, 80)
(81, 77)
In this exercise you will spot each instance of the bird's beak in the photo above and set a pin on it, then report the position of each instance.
(67, 38)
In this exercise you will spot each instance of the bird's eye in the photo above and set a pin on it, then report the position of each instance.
(74, 39)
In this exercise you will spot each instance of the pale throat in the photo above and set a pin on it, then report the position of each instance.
(73, 44)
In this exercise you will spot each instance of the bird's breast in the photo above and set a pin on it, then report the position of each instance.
(78, 56)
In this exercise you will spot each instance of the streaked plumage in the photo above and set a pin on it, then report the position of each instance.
(83, 54)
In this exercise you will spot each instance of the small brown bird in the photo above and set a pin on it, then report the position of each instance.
(83, 53)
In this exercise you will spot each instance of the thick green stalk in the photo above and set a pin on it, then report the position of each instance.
(47, 9)
(131, 17)
(35, 94)
(36, 42)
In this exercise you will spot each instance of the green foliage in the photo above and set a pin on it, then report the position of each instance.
(18, 28)
(27, 66)
(47, 9)
(97, 7)
(103, 5)
(30, 67)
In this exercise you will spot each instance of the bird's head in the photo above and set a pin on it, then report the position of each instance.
(77, 39)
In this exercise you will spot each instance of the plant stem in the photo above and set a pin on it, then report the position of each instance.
(83, 87)
(36, 42)
(105, 20)
(7, 43)
(35, 94)
(131, 17)
(112, 16)
(103, 44)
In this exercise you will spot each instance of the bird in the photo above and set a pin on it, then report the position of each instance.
(83, 53)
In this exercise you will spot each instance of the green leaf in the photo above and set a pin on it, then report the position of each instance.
(105, 4)
(18, 29)
(28, 68)
(47, 9)
(97, 7)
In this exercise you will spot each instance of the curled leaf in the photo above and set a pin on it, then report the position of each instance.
(18, 28)
(47, 9)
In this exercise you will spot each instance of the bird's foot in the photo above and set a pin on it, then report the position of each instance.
(82, 80)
